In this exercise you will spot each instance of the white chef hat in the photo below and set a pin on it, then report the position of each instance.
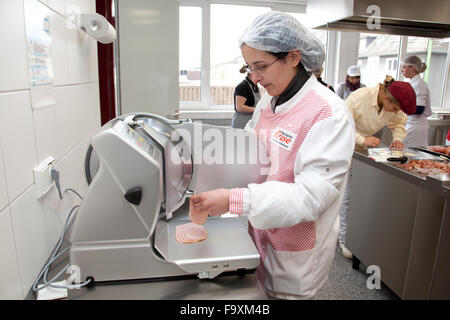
(280, 32)
(354, 71)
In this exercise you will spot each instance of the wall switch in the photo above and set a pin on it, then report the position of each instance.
(42, 179)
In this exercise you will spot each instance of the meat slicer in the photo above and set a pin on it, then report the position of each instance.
(148, 167)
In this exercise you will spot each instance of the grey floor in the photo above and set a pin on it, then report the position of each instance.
(344, 283)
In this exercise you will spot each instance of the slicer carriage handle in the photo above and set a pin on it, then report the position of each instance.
(190, 193)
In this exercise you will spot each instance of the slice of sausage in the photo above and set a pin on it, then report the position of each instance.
(190, 233)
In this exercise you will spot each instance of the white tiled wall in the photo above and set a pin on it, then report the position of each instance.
(37, 123)
(11, 284)
(29, 234)
(3, 190)
(18, 141)
(13, 55)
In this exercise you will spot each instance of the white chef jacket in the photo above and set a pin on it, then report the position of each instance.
(417, 125)
(293, 216)
(363, 105)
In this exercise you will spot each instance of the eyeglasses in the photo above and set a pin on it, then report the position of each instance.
(260, 69)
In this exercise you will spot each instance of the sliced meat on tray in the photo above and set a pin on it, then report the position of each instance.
(440, 149)
(426, 167)
(190, 233)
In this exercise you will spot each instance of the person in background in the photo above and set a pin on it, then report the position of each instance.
(246, 97)
(351, 84)
(309, 137)
(373, 108)
(318, 72)
(417, 125)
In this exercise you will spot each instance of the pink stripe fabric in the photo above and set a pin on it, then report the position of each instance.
(236, 201)
(298, 120)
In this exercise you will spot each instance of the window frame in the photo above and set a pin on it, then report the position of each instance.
(205, 82)
(331, 70)
(392, 62)
(445, 90)
(205, 57)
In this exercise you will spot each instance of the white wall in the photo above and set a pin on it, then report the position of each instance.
(29, 228)
(345, 54)
(148, 51)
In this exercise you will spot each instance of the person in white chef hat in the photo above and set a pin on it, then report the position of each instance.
(352, 82)
(309, 135)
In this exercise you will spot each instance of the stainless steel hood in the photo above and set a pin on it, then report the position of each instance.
(421, 18)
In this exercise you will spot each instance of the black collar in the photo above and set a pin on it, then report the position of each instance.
(294, 86)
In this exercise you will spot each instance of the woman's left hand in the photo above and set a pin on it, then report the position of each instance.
(397, 145)
(213, 203)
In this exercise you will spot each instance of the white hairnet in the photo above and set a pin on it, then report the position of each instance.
(279, 32)
(415, 61)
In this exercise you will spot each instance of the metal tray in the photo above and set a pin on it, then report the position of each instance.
(227, 248)
(381, 154)
(438, 154)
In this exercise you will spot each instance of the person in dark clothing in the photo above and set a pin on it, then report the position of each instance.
(318, 73)
(352, 82)
(246, 96)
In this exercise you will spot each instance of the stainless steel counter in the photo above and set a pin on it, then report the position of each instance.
(438, 128)
(439, 184)
(400, 221)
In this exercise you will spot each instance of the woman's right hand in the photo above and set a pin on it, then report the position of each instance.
(195, 215)
(213, 203)
(371, 142)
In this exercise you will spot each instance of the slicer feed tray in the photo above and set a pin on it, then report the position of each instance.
(228, 246)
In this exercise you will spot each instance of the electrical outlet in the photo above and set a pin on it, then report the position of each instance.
(42, 179)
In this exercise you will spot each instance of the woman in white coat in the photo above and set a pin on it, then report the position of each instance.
(309, 135)
(417, 125)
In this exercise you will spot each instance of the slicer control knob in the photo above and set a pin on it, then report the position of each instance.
(134, 195)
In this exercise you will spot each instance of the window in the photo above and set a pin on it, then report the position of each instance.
(391, 66)
(308, 21)
(190, 53)
(378, 57)
(433, 52)
(228, 23)
(210, 58)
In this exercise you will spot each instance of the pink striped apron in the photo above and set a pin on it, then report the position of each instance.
(283, 134)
